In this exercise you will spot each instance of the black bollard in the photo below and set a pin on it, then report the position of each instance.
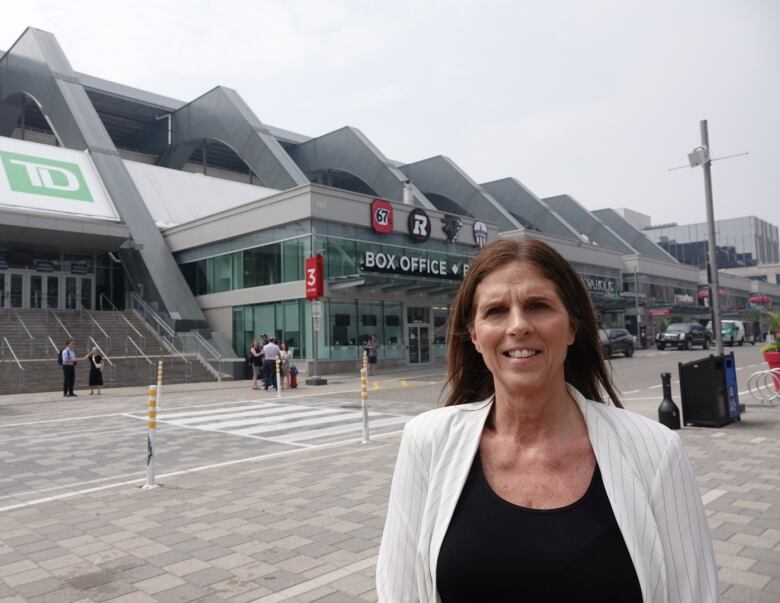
(668, 413)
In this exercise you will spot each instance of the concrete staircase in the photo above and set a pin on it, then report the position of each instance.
(133, 350)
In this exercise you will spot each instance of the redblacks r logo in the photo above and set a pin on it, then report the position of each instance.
(381, 216)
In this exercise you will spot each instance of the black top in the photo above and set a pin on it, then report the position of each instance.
(497, 551)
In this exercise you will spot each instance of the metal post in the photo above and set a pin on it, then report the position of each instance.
(151, 438)
(714, 281)
(365, 361)
(278, 378)
(315, 378)
(636, 303)
(364, 402)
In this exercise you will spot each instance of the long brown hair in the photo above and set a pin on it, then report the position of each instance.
(469, 378)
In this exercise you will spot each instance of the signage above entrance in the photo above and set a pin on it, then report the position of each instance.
(419, 225)
(43, 178)
(381, 216)
(412, 265)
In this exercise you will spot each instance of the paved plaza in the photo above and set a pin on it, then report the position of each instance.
(276, 499)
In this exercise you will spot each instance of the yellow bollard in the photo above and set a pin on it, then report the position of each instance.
(151, 438)
(364, 402)
(159, 382)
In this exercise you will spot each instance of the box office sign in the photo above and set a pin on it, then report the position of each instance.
(410, 265)
(51, 179)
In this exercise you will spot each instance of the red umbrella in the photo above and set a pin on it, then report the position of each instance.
(759, 299)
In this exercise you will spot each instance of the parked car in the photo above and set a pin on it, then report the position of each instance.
(684, 336)
(733, 331)
(616, 341)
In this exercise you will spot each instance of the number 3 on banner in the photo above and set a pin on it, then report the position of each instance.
(314, 277)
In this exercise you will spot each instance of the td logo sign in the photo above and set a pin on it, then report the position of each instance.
(42, 176)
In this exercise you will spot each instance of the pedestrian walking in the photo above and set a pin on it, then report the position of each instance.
(270, 352)
(529, 485)
(284, 368)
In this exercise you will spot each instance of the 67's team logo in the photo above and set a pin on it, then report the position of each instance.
(381, 216)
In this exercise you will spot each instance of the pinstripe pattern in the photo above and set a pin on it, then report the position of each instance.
(646, 473)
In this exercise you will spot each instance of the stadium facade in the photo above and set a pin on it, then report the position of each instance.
(112, 196)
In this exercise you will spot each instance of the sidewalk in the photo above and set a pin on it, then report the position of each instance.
(304, 524)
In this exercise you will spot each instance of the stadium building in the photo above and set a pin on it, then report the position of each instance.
(211, 223)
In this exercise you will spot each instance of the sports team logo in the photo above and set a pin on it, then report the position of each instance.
(480, 234)
(451, 226)
(419, 225)
(381, 216)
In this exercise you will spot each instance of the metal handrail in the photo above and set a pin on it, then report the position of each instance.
(110, 303)
(10, 349)
(26, 330)
(24, 326)
(97, 324)
(57, 318)
(147, 309)
(203, 349)
(135, 345)
(94, 343)
(214, 352)
(54, 345)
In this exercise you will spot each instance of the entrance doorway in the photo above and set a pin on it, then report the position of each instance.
(419, 344)
(32, 289)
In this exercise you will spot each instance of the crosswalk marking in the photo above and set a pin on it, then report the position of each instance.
(293, 424)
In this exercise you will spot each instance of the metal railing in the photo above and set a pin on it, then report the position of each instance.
(162, 328)
(18, 364)
(26, 330)
(59, 322)
(144, 356)
(195, 343)
(101, 329)
(54, 345)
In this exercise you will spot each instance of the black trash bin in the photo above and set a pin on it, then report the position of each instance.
(703, 392)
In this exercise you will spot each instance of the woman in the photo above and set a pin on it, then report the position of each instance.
(528, 485)
(372, 352)
(256, 360)
(284, 367)
(95, 370)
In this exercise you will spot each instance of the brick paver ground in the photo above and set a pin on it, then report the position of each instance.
(305, 523)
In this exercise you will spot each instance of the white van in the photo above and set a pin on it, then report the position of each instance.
(733, 332)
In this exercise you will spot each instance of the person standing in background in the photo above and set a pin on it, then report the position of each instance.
(69, 362)
(270, 352)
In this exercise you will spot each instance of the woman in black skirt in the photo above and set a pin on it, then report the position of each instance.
(95, 371)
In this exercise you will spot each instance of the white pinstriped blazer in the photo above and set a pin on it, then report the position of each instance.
(646, 474)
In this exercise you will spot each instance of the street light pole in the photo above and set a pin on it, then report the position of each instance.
(712, 247)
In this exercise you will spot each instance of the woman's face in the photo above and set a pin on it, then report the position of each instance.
(522, 329)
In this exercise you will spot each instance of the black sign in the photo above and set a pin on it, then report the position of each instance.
(411, 265)
(43, 265)
(3, 264)
(78, 268)
(451, 226)
(419, 225)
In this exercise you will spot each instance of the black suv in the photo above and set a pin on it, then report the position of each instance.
(616, 341)
(684, 336)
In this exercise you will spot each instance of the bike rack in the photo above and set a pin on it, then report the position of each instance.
(764, 386)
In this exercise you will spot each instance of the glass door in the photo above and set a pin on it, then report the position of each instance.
(419, 344)
(16, 290)
(3, 301)
(71, 287)
(52, 292)
(36, 291)
(86, 292)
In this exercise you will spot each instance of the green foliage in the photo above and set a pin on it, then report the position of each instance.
(774, 321)
(772, 347)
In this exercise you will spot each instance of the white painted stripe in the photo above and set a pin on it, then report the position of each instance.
(272, 427)
(757, 440)
(219, 417)
(711, 495)
(633, 391)
(304, 587)
(213, 411)
(656, 386)
(308, 435)
(277, 420)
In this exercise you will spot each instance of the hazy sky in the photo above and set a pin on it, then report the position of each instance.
(596, 99)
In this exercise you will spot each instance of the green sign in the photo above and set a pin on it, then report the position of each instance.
(41, 176)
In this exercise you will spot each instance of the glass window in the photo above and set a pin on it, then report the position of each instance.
(341, 257)
(414, 314)
(262, 265)
(369, 321)
(343, 329)
(292, 327)
(292, 260)
(393, 345)
(238, 270)
(220, 273)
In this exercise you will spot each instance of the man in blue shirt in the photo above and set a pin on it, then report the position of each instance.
(69, 367)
